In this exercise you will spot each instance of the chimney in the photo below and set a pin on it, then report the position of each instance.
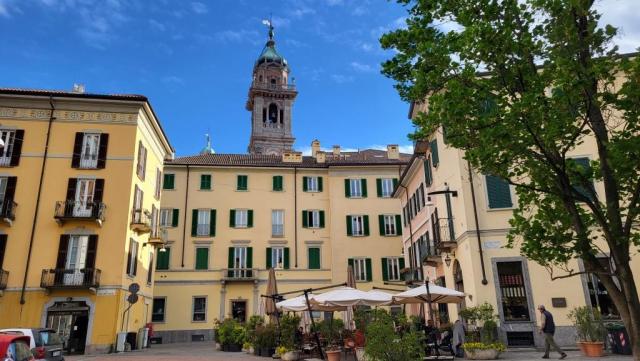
(315, 147)
(393, 152)
(78, 88)
(336, 150)
(291, 157)
(321, 157)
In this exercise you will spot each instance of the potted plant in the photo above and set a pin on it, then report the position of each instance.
(384, 343)
(231, 335)
(289, 337)
(265, 340)
(330, 331)
(482, 338)
(590, 330)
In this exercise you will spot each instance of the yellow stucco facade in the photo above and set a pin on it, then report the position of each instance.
(68, 209)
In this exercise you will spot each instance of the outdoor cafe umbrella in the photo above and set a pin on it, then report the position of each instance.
(299, 304)
(272, 292)
(434, 293)
(347, 296)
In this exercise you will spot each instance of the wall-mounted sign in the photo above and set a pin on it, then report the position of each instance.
(491, 244)
(559, 302)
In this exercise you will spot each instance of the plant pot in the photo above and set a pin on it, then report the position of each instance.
(290, 356)
(489, 354)
(592, 349)
(333, 355)
(267, 352)
(360, 354)
(232, 347)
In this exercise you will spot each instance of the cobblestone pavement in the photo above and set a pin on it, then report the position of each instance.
(202, 351)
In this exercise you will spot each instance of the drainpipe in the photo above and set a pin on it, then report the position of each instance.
(475, 216)
(184, 222)
(35, 212)
(295, 214)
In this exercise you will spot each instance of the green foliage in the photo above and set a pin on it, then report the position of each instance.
(231, 332)
(385, 344)
(483, 316)
(588, 323)
(288, 326)
(471, 346)
(254, 322)
(265, 336)
(331, 330)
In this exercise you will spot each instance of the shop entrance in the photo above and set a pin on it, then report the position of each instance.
(239, 310)
(71, 321)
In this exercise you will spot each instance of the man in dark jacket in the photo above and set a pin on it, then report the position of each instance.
(548, 328)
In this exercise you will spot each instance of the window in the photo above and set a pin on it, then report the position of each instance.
(312, 184)
(169, 181)
(240, 262)
(241, 218)
(199, 309)
(205, 182)
(361, 268)
(358, 225)
(391, 267)
(242, 183)
(204, 222)
(132, 260)
(277, 223)
(202, 258)
(428, 177)
(585, 169)
(276, 258)
(598, 294)
(10, 154)
(498, 192)
(141, 167)
(277, 183)
(166, 215)
(89, 152)
(434, 152)
(164, 259)
(83, 195)
(313, 219)
(158, 310)
(314, 258)
(515, 305)
(390, 225)
(385, 186)
(138, 198)
(355, 188)
(158, 183)
(155, 221)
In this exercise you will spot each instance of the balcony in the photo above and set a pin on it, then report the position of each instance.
(61, 278)
(430, 254)
(277, 87)
(158, 237)
(239, 274)
(443, 234)
(410, 275)
(4, 276)
(79, 211)
(140, 221)
(8, 211)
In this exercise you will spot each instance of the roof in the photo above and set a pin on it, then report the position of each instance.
(270, 55)
(360, 158)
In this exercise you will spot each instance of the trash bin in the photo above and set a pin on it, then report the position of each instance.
(120, 341)
(619, 339)
(142, 337)
(131, 340)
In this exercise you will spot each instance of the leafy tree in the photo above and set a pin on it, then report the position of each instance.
(384, 343)
(519, 85)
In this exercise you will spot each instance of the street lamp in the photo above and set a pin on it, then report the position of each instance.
(447, 260)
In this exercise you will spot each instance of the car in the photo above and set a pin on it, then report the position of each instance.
(45, 343)
(15, 348)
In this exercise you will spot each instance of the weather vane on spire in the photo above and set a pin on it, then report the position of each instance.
(269, 23)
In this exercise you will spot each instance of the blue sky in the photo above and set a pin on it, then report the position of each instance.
(193, 59)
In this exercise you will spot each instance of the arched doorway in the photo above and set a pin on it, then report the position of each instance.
(458, 282)
(71, 322)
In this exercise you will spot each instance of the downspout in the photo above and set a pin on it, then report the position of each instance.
(184, 222)
(35, 213)
(475, 216)
(295, 214)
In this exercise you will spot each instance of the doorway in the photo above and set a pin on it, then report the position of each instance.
(71, 321)
(239, 311)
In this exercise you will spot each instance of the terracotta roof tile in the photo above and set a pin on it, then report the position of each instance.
(69, 94)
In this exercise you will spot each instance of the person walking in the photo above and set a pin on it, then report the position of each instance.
(548, 329)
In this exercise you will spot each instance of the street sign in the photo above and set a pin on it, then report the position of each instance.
(134, 288)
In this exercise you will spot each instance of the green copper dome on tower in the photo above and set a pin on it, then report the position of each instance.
(269, 53)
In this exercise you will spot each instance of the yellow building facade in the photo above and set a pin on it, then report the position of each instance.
(456, 222)
(80, 179)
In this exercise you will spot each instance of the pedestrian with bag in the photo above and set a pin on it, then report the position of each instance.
(548, 329)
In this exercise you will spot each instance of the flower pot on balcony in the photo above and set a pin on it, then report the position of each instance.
(592, 349)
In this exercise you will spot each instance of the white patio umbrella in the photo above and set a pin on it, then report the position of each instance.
(381, 295)
(434, 294)
(299, 304)
(347, 296)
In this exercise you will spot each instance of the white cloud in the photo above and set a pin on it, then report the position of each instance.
(620, 14)
(173, 80)
(279, 22)
(362, 68)
(156, 25)
(341, 79)
(335, 2)
(366, 47)
(3, 9)
(301, 11)
(199, 8)
(237, 36)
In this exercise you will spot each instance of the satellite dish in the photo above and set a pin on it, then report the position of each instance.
(134, 288)
(133, 298)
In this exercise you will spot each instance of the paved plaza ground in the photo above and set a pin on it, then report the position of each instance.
(202, 351)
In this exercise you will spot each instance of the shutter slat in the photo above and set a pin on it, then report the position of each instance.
(349, 228)
(434, 152)
(379, 187)
(269, 256)
(381, 224)
(369, 269)
(363, 182)
(305, 219)
(321, 219)
(17, 148)
(194, 222)
(366, 225)
(385, 271)
(319, 184)
(347, 188)
(250, 218)
(305, 185)
(102, 151)
(212, 223)
(175, 217)
(286, 258)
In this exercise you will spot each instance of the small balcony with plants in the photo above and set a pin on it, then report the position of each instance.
(73, 210)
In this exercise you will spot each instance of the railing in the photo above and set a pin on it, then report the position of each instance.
(269, 86)
(443, 231)
(428, 249)
(140, 220)
(272, 125)
(277, 230)
(239, 274)
(70, 278)
(80, 210)
(411, 274)
(89, 161)
(8, 209)
(4, 276)
(5, 161)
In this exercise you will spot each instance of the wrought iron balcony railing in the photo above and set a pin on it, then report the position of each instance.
(8, 210)
(79, 210)
(411, 274)
(443, 233)
(4, 276)
(140, 221)
(269, 86)
(239, 274)
(61, 278)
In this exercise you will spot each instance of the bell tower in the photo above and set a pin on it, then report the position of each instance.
(271, 98)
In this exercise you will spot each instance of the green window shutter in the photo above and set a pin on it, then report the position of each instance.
(212, 223)
(205, 181)
(286, 258)
(427, 172)
(363, 182)
(269, 265)
(398, 225)
(321, 219)
(162, 263)
(277, 183)
(194, 222)
(349, 229)
(347, 188)
(305, 219)
(369, 269)
(249, 257)
(366, 225)
(202, 258)
(379, 187)
(230, 261)
(250, 218)
(584, 165)
(319, 184)
(175, 217)
(381, 224)
(168, 182)
(350, 262)
(314, 258)
(401, 262)
(395, 184)
(242, 182)
(498, 192)
(305, 185)
(385, 272)
(434, 152)
(232, 218)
